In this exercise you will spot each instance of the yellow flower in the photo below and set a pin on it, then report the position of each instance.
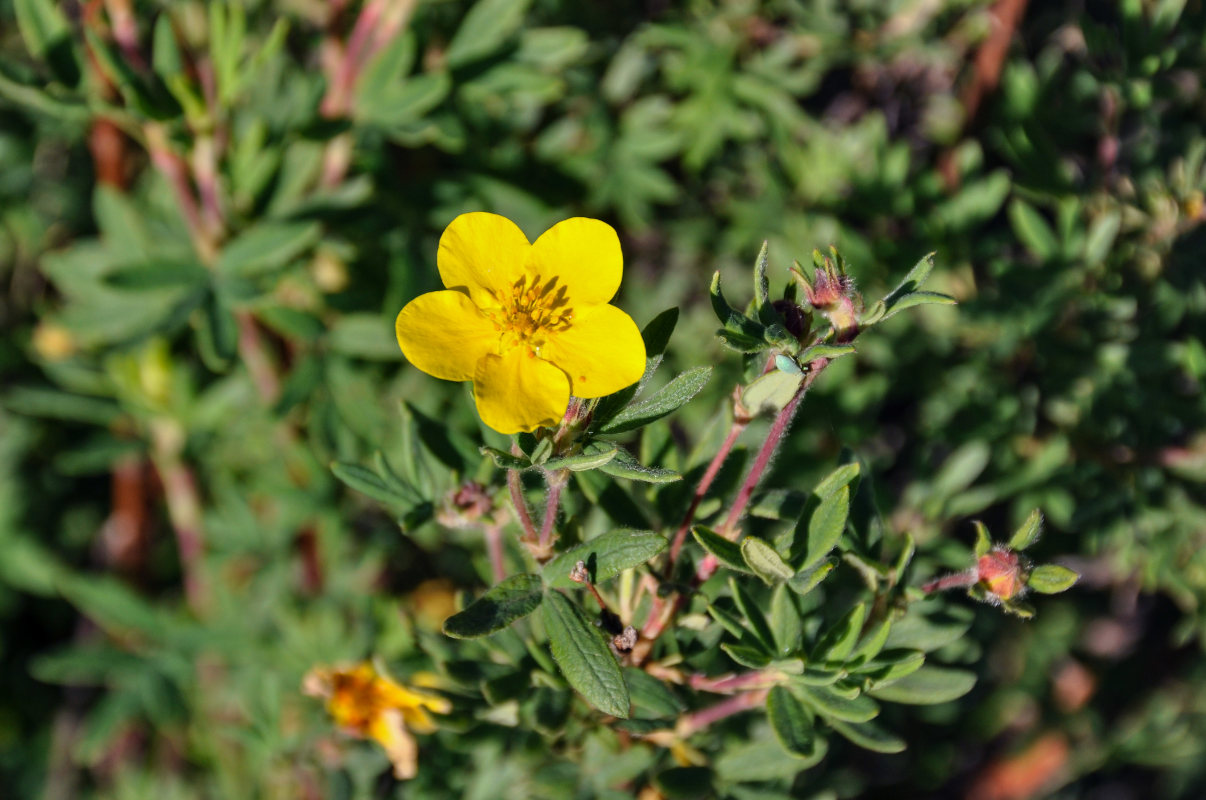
(367, 704)
(529, 324)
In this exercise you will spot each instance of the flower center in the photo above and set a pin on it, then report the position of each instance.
(531, 308)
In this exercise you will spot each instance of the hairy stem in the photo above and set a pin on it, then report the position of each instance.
(691, 724)
(557, 481)
(705, 483)
(515, 485)
(766, 453)
(494, 546)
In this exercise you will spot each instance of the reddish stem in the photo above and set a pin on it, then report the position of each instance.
(693, 723)
(494, 546)
(705, 483)
(766, 453)
(557, 481)
(515, 485)
(959, 580)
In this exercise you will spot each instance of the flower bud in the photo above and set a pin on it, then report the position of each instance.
(1002, 574)
(832, 293)
(466, 506)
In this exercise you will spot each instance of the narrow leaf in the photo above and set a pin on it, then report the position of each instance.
(593, 456)
(583, 657)
(806, 580)
(605, 556)
(623, 465)
(367, 482)
(834, 706)
(501, 605)
(791, 723)
(764, 562)
(927, 686)
(1052, 579)
(869, 736)
(267, 246)
(726, 552)
(826, 525)
(842, 476)
(675, 394)
(1029, 531)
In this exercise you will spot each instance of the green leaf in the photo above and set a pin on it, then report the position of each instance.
(791, 723)
(504, 460)
(770, 393)
(753, 614)
(266, 247)
(623, 465)
(840, 477)
(1032, 230)
(652, 695)
(919, 299)
(746, 656)
(808, 579)
(584, 659)
(761, 282)
(605, 556)
(915, 279)
(764, 562)
(485, 29)
(869, 736)
(675, 394)
(785, 621)
(1051, 579)
(502, 604)
(838, 642)
(657, 333)
(826, 525)
(1028, 533)
(593, 456)
(834, 706)
(779, 504)
(165, 274)
(983, 540)
(366, 336)
(1101, 236)
(48, 37)
(726, 552)
(830, 351)
(732, 319)
(367, 482)
(918, 630)
(927, 686)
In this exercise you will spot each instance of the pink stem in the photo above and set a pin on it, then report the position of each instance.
(733, 683)
(957, 581)
(705, 483)
(515, 485)
(557, 481)
(693, 723)
(494, 546)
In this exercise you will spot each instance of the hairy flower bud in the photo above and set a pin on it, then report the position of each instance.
(1002, 573)
(467, 505)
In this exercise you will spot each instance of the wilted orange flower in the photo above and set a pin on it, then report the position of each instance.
(368, 704)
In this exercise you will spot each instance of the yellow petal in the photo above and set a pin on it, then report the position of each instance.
(602, 351)
(387, 728)
(518, 392)
(482, 254)
(443, 334)
(584, 255)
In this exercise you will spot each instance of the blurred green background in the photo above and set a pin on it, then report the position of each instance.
(210, 214)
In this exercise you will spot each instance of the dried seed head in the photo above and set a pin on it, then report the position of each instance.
(624, 642)
(580, 574)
